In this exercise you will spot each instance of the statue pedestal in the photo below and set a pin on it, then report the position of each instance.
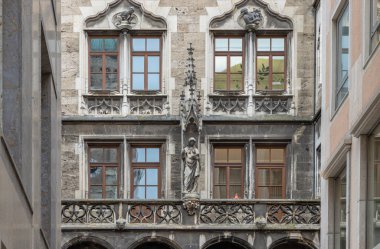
(191, 202)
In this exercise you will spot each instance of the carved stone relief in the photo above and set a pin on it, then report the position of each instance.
(148, 105)
(102, 105)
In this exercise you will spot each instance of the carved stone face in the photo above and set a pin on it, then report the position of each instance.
(191, 142)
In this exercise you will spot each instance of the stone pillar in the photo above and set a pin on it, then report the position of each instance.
(125, 67)
(251, 85)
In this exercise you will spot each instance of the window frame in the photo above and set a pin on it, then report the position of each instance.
(229, 166)
(145, 165)
(271, 54)
(270, 166)
(104, 165)
(145, 54)
(228, 54)
(103, 54)
(338, 207)
(374, 26)
(339, 81)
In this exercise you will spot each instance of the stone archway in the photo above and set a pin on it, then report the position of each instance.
(87, 242)
(230, 243)
(154, 243)
(87, 245)
(292, 244)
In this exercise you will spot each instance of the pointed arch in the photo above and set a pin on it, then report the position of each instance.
(93, 241)
(222, 241)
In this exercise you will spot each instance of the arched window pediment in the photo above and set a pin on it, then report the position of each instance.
(138, 18)
(234, 19)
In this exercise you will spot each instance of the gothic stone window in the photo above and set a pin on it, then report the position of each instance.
(342, 57)
(228, 63)
(270, 172)
(146, 63)
(145, 173)
(375, 24)
(104, 171)
(270, 63)
(228, 167)
(103, 63)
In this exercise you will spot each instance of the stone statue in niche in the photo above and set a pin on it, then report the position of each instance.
(190, 157)
(252, 19)
(125, 19)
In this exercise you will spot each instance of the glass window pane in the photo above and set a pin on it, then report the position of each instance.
(96, 176)
(235, 192)
(153, 82)
(110, 45)
(262, 81)
(151, 192)
(111, 176)
(342, 51)
(153, 64)
(139, 177)
(236, 65)
(220, 155)
(151, 176)
(234, 155)
(138, 64)
(220, 192)
(263, 64)
(278, 44)
(111, 64)
(220, 175)
(139, 192)
(262, 155)
(153, 44)
(111, 192)
(96, 64)
(96, 45)
(263, 177)
(220, 64)
(138, 44)
(220, 81)
(262, 193)
(95, 192)
(235, 176)
(276, 177)
(138, 81)
(278, 81)
(263, 44)
(221, 44)
(96, 155)
(236, 44)
(110, 155)
(277, 155)
(152, 155)
(278, 64)
(138, 155)
(236, 82)
(96, 82)
(111, 81)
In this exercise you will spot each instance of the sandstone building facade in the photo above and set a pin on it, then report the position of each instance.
(30, 124)
(350, 124)
(190, 124)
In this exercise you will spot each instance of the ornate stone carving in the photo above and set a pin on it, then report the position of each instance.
(228, 104)
(102, 105)
(189, 103)
(191, 204)
(190, 157)
(161, 214)
(73, 213)
(148, 105)
(272, 105)
(125, 19)
(260, 222)
(227, 214)
(253, 19)
(294, 214)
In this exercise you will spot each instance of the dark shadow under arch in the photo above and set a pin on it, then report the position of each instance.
(226, 242)
(287, 243)
(154, 243)
(87, 242)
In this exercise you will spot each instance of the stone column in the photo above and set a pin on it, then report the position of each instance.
(125, 67)
(251, 85)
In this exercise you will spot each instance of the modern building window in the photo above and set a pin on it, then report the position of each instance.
(103, 63)
(104, 171)
(270, 172)
(228, 170)
(270, 63)
(228, 64)
(373, 193)
(340, 210)
(146, 63)
(145, 173)
(375, 24)
(342, 57)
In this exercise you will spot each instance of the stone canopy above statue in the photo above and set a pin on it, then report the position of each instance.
(125, 14)
(251, 15)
